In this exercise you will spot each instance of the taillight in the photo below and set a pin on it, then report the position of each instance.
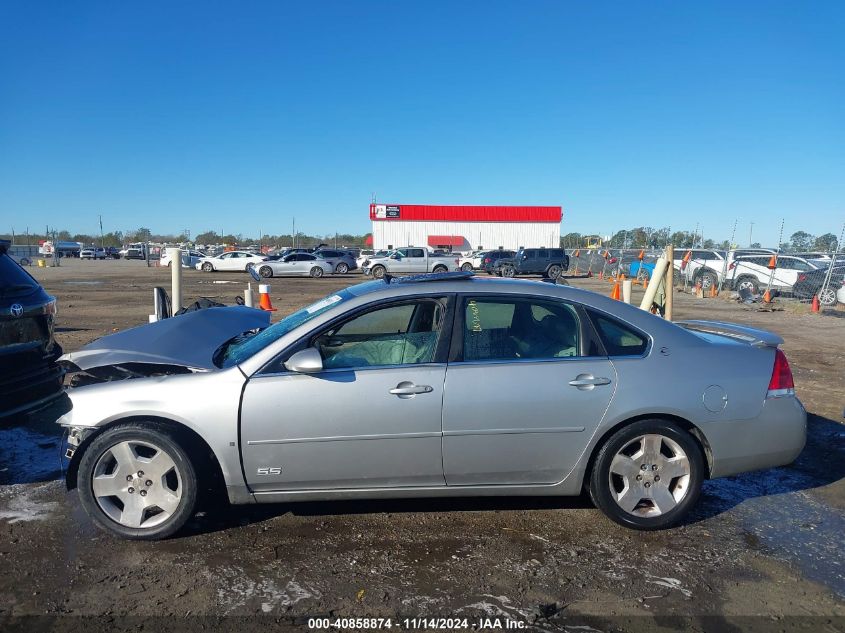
(781, 383)
(802, 277)
(732, 266)
(486, 260)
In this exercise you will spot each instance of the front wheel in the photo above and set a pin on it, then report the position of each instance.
(648, 475)
(342, 268)
(378, 272)
(467, 267)
(136, 481)
(207, 267)
(748, 283)
(316, 272)
(708, 280)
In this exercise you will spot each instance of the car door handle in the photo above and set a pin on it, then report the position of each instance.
(410, 389)
(588, 381)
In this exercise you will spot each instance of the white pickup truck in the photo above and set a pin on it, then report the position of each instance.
(413, 260)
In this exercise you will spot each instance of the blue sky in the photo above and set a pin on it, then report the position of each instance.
(241, 115)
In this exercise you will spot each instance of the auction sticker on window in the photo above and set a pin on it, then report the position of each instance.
(322, 303)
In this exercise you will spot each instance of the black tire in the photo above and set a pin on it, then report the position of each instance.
(747, 282)
(25, 261)
(440, 269)
(265, 271)
(342, 268)
(467, 267)
(316, 272)
(600, 477)
(708, 280)
(508, 271)
(378, 272)
(208, 267)
(162, 438)
(554, 271)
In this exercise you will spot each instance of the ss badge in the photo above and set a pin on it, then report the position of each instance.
(270, 470)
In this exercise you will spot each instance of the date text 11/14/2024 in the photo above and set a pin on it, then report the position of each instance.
(417, 624)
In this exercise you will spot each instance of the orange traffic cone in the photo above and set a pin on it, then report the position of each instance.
(713, 291)
(615, 293)
(816, 305)
(601, 274)
(767, 297)
(773, 262)
(645, 281)
(264, 294)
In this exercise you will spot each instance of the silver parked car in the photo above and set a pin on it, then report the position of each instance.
(434, 385)
(295, 264)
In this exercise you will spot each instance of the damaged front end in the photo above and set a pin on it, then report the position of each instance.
(178, 345)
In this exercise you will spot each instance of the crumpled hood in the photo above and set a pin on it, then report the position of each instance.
(187, 340)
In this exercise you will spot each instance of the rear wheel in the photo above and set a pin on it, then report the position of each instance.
(748, 283)
(316, 272)
(136, 481)
(648, 475)
(554, 271)
(265, 271)
(827, 297)
(467, 267)
(440, 269)
(342, 268)
(508, 271)
(708, 280)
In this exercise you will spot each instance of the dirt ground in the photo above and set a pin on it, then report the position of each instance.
(763, 551)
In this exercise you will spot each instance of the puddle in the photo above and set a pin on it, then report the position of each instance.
(21, 503)
(27, 456)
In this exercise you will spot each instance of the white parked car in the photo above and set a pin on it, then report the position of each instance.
(229, 261)
(189, 258)
(296, 264)
(411, 260)
(751, 272)
(93, 253)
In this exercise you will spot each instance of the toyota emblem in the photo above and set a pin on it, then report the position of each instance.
(16, 309)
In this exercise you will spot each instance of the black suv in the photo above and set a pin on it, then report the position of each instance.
(29, 376)
(491, 259)
(549, 262)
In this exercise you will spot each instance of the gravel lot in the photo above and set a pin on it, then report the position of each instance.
(763, 551)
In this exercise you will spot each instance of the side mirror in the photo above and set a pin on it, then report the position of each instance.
(395, 256)
(306, 361)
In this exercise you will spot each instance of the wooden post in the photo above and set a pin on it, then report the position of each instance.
(670, 281)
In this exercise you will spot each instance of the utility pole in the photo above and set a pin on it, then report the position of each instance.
(293, 234)
(750, 234)
(102, 239)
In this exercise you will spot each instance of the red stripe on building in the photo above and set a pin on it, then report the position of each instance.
(440, 213)
(445, 240)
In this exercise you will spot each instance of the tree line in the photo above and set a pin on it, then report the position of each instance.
(648, 237)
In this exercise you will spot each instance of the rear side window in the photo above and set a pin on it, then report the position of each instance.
(618, 339)
(14, 280)
(556, 252)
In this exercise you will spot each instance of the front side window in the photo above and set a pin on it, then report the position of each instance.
(519, 328)
(402, 334)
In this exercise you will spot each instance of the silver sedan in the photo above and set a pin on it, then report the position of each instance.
(428, 386)
(297, 265)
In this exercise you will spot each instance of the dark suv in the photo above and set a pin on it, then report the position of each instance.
(29, 376)
(490, 260)
(549, 262)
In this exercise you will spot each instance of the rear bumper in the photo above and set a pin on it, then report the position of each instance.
(774, 438)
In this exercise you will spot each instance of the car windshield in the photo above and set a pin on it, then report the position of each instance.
(242, 347)
(14, 280)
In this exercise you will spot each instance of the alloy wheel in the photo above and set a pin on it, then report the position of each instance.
(649, 476)
(137, 484)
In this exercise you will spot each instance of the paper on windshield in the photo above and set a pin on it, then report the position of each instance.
(322, 303)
